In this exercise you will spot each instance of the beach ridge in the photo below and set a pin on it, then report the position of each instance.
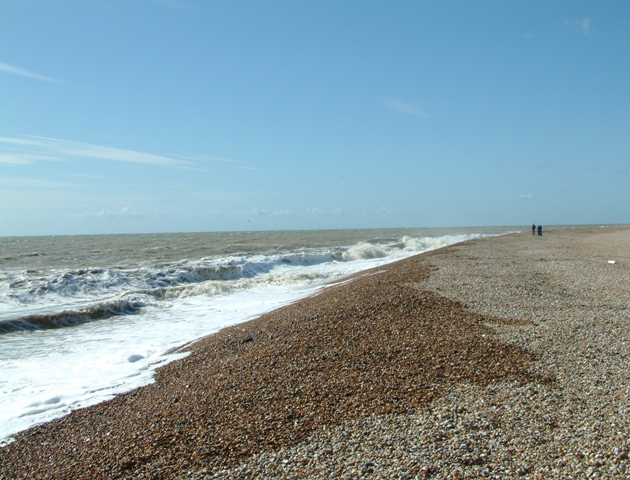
(498, 357)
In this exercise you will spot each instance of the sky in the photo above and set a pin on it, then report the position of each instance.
(182, 115)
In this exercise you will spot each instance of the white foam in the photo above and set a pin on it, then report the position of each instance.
(46, 373)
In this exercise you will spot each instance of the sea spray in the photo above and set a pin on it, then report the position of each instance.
(79, 326)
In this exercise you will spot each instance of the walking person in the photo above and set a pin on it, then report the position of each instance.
(540, 230)
(533, 229)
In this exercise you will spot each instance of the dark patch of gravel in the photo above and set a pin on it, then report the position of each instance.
(379, 345)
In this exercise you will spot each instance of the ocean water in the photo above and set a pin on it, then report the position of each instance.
(83, 318)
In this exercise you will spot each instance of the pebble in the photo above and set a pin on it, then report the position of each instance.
(496, 358)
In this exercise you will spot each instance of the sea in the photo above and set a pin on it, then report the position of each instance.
(84, 318)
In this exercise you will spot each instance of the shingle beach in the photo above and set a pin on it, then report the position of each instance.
(506, 357)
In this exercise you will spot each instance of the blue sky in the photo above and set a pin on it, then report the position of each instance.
(180, 115)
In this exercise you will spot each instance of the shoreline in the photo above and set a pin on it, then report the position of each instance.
(454, 362)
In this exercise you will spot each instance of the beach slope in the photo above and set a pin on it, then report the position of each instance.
(500, 357)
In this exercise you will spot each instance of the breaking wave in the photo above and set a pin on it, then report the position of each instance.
(72, 318)
(32, 300)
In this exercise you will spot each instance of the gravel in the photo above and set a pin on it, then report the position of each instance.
(500, 358)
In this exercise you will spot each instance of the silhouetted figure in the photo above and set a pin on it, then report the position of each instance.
(540, 230)
(533, 229)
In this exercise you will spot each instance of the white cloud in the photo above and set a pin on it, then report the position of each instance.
(259, 212)
(321, 211)
(125, 212)
(22, 158)
(38, 148)
(14, 159)
(83, 175)
(212, 158)
(18, 71)
(34, 183)
(528, 196)
(255, 212)
(583, 24)
(208, 158)
(402, 107)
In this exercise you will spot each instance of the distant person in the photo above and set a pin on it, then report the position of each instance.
(540, 230)
(533, 229)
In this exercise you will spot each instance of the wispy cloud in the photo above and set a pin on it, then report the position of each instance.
(322, 211)
(583, 24)
(621, 171)
(34, 183)
(528, 196)
(261, 212)
(14, 159)
(22, 158)
(18, 71)
(403, 107)
(83, 175)
(212, 158)
(29, 149)
(126, 212)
